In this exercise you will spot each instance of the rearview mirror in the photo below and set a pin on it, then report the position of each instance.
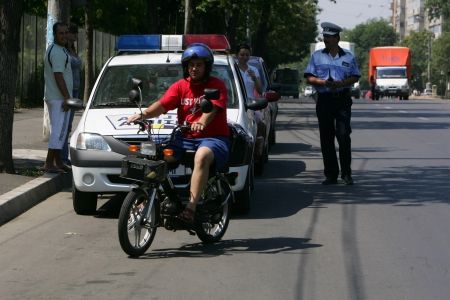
(75, 103)
(206, 104)
(134, 95)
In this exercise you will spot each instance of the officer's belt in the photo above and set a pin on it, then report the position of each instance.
(340, 94)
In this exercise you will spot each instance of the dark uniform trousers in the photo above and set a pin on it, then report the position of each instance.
(334, 114)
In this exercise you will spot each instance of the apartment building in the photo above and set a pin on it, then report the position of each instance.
(411, 16)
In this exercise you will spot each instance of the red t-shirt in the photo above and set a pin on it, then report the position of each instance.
(186, 97)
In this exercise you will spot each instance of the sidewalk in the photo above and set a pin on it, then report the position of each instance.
(18, 193)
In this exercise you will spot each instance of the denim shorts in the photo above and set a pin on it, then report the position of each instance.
(219, 145)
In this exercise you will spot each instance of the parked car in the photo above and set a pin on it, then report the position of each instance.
(265, 118)
(309, 90)
(102, 136)
(287, 82)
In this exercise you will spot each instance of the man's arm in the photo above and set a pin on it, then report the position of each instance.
(154, 110)
(61, 83)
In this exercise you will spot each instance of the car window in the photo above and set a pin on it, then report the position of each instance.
(116, 83)
(262, 73)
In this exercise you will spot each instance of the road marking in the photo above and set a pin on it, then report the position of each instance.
(423, 118)
(403, 111)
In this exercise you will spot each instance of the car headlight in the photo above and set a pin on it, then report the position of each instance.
(92, 141)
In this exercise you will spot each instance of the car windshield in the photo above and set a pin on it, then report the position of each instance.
(116, 83)
(391, 73)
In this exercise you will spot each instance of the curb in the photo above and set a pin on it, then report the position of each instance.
(24, 197)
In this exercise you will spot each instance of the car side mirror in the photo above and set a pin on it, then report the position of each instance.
(257, 104)
(75, 103)
(134, 95)
(206, 104)
(272, 96)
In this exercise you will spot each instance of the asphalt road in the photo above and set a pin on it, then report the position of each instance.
(386, 237)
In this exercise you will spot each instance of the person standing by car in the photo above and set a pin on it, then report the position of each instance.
(75, 62)
(250, 74)
(57, 90)
(332, 71)
(209, 134)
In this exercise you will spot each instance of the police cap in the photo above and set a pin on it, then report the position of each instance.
(330, 28)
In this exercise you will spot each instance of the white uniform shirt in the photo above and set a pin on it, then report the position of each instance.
(56, 60)
(248, 81)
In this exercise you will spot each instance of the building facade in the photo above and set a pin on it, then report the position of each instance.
(411, 16)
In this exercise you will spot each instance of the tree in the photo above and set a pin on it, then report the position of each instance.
(10, 16)
(280, 31)
(438, 8)
(418, 43)
(373, 33)
(440, 64)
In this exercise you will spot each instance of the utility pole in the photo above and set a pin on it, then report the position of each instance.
(57, 11)
(428, 84)
(187, 16)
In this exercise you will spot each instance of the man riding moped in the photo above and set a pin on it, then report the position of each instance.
(209, 133)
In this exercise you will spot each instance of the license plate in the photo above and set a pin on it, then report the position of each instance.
(180, 171)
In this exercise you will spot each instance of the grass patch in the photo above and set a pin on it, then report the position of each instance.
(30, 172)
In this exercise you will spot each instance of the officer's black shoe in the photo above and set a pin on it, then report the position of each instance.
(329, 181)
(348, 180)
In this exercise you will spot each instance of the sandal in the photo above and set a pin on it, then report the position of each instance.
(187, 216)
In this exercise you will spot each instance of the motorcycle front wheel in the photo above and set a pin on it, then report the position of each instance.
(136, 231)
(217, 198)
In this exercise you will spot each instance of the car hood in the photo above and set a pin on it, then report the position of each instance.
(114, 121)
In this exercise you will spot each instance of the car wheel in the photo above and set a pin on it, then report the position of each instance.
(84, 203)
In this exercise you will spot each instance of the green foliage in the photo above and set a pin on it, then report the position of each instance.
(440, 64)
(418, 43)
(373, 33)
(36, 7)
(437, 8)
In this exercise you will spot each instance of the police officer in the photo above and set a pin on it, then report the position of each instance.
(332, 71)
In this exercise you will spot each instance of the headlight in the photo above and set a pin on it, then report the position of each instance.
(92, 141)
(148, 148)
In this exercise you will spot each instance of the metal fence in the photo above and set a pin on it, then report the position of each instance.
(30, 86)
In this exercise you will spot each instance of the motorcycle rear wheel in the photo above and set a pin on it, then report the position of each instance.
(212, 228)
(136, 235)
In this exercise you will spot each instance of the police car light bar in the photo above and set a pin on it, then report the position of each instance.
(170, 43)
(138, 42)
(217, 42)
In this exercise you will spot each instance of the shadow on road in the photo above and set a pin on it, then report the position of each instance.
(272, 245)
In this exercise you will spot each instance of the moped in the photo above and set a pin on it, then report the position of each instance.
(154, 201)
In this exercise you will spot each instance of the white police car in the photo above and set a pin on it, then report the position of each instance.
(102, 136)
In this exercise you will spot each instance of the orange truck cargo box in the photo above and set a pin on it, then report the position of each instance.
(389, 57)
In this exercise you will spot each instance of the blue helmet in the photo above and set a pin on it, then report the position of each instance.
(197, 50)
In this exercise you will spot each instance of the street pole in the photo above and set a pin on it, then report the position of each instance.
(57, 11)
(428, 85)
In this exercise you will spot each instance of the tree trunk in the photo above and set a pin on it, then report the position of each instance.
(262, 31)
(153, 17)
(10, 16)
(187, 16)
(89, 69)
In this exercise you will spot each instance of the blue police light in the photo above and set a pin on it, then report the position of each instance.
(139, 43)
